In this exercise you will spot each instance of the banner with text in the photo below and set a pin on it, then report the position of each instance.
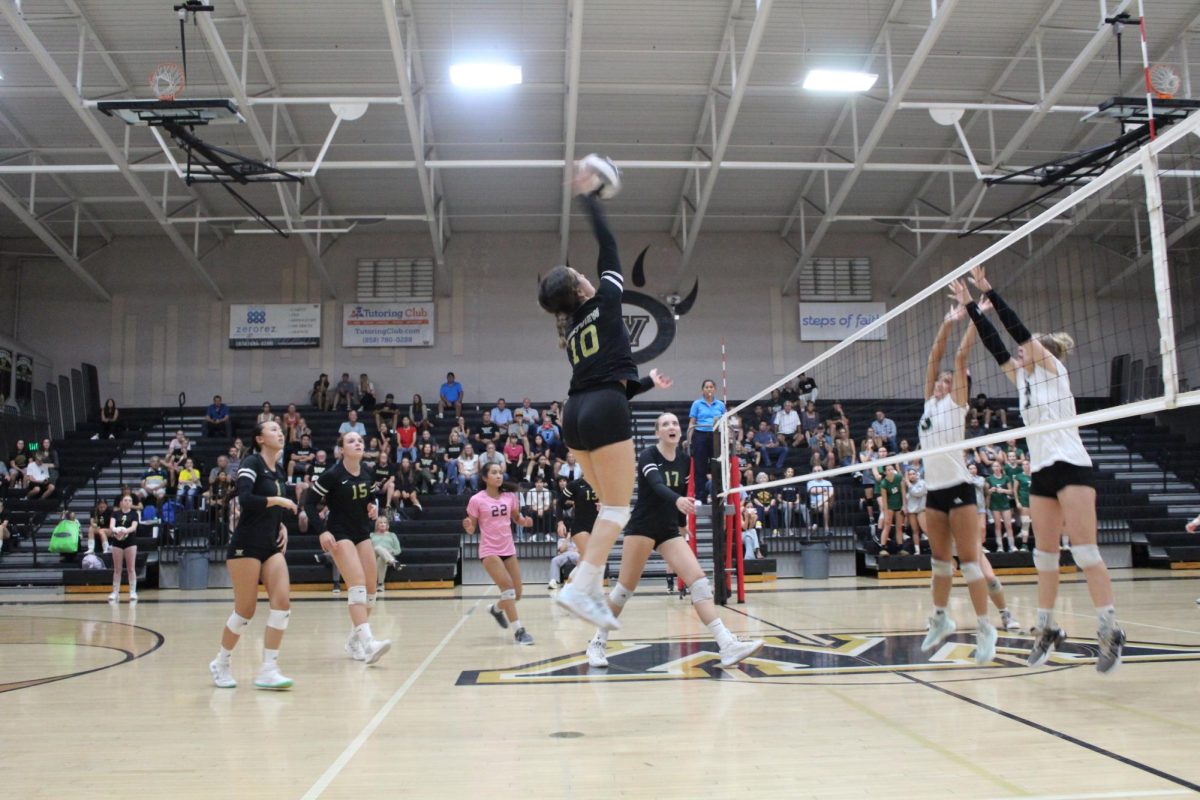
(387, 324)
(275, 326)
(832, 322)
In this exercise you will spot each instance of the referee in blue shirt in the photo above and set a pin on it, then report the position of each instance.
(704, 414)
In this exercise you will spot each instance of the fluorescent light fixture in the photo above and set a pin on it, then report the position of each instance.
(837, 80)
(480, 75)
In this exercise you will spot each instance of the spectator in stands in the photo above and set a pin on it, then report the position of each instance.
(5, 478)
(538, 448)
(1000, 503)
(519, 428)
(222, 466)
(216, 419)
(37, 478)
(189, 486)
(538, 505)
(110, 420)
(974, 427)
(387, 413)
(449, 457)
(429, 470)
(554, 414)
(366, 394)
(237, 453)
(488, 431)
(884, 428)
(756, 418)
(406, 439)
(791, 509)
(177, 452)
(501, 414)
(981, 408)
(450, 395)
(766, 505)
(344, 393)
(352, 425)
(50, 459)
(514, 458)
(419, 413)
(407, 493)
(387, 547)
(265, 415)
(837, 419)
(467, 471)
(319, 396)
(807, 389)
(809, 419)
(532, 418)
(820, 501)
(787, 425)
(568, 555)
(19, 459)
(383, 480)
(843, 447)
(221, 491)
(153, 487)
(822, 450)
(122, 539)
(866, 476)
(299, 459)
(291, 423)
(540, 468)
(318, 465)
(769, 446)
(371, 450)
(569, 469)
(906, 451)
(915, 492)
(490, 456)
(548, 431)
(98, 526)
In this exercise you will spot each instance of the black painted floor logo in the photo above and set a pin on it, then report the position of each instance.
(835, 657)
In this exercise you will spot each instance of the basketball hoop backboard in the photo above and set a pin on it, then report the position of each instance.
(157, 113)
(1134, 110)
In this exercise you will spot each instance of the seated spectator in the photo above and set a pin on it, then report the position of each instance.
(110, 420)
(810, 419)
(352, 425)
(236, 454)
(837, 419)
(153, 487)
(789, 393)
(426, 438)
(766, 506)
(980, 408)
(819, 437)
(843, 447)
(462, 429)
(568, 554)
(50, 459)
(216, 419)
(265, 415)
(822, 454)
(538, 505)
(19, 458)
(554, 413)
(5, 478)
(291, 422)
(807, 388)
(371, 453)
(787, 425)
(316, 468)
(189, 487)
(467, 471)
(905, 450)
(820, 501)
(429, 470)
(548, 431)
(540, 468)
(366, 394)
(383, 480)
(222, 466)
(537, 448)
(529, 412)
(343, 393)
(793, 513)
(406, 439)
(884, 428)
(177, 452)
(387, 413)
(319, 396)
(407, 494)
(449, 458)
(299, 459)
(37, 478)
(418, 412)
(488, 431)
(518, 428)
(450, 396)
(514, 458)
(127, 491)
(569, 469)
(502, 415)
(974, 427)
(98, 526)
(221, 492)
(491, 456)
(387, 547)
(769, 446)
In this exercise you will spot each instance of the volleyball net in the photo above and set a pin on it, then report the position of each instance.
(1110, 263)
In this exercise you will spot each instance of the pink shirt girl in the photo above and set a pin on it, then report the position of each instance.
(494, 517)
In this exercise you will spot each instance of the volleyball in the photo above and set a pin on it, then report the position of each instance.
(605, 178)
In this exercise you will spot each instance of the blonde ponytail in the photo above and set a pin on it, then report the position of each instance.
(1059, 344)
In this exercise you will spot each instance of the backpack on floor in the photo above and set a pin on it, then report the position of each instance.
(92, 561)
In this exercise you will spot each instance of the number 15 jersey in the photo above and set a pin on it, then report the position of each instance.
(347, 497)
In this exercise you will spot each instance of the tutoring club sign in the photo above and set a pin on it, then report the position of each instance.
(833, 322)
(387, 324)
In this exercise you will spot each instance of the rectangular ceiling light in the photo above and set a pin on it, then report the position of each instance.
(478, 75)
(836, 80)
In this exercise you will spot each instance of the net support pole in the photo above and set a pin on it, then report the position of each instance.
(737, 531)
(1162, 278)
(719, 527)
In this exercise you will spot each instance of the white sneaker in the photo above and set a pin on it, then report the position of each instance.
(940, 627)
(269, 677)
(95, 436)
(596, 655)
(1009, 621)
(354, 648)
(375, 649)
(985, 643)
(133, 597)
(114, 598)
(107, 548)
(553, 585)
(590, 607)
(221, 676)
(739, 650)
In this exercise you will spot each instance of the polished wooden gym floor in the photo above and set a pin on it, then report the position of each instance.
(102, 701)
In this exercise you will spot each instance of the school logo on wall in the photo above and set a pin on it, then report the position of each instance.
(836, 658)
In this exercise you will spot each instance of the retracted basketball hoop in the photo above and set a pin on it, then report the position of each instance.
(167, 81)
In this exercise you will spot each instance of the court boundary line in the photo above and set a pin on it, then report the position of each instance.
(1066, 737)
(331, 773)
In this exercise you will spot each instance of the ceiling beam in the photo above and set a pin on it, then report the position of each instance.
(12, 14)
(745, 69)
(1093, 48)
(229, 72)
(939, 23)
(421, 87)
(570, 116)
(416, 133)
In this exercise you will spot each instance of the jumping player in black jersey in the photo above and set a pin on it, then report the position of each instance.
(656, 523)
(256, 553)
(597, 425)
(346, 490)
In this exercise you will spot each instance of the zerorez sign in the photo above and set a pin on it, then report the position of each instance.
(833, 322)
(275, 326)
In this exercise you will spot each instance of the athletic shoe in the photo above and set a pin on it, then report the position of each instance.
(114, 598)
(133, 597)
(354, 648)
(1009, 621)
(375, 649)
(498, 615)
(940, 627)
(1044, 643)
(590, 607)
(221, 676)
(552, 585)
(107, 548)
(269, 677)
(522, 637)
(1111, 644)
(596, 655)
(337, 590)
(985, 643)
(739, 650)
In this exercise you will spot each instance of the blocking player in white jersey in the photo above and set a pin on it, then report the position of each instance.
(1062, 490)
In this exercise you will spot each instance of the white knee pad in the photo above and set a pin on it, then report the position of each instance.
(618, 514)
(278, 619)
(942, 569)
(971, 571)
(508, 594)
(1086, 555)
(236, 623)
(701, 590)
(619, 595)
(1044, 561)
(357, 596)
